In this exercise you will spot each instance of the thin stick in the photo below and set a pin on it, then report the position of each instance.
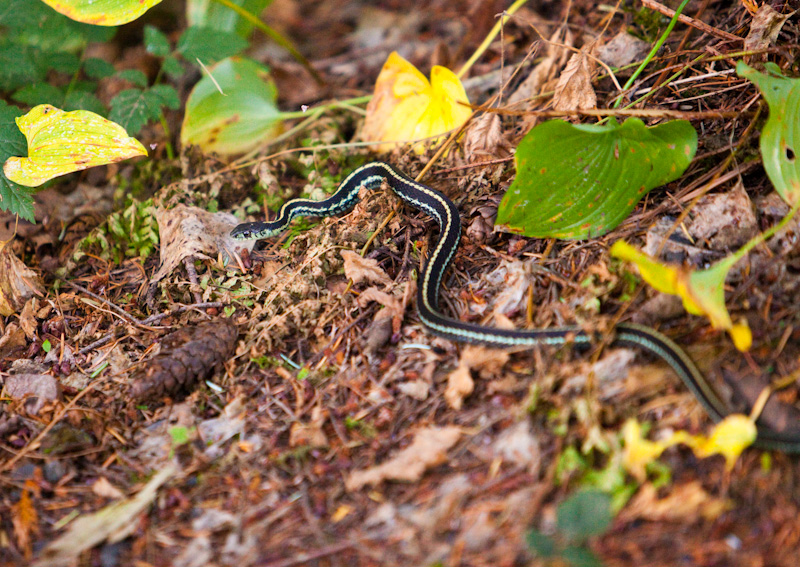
(668, 12)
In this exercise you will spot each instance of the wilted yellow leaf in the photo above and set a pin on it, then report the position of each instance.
(63, 142)
(702, 291)
(102, 12)
(406, 106)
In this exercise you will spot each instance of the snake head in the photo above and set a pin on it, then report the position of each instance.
(246, 231)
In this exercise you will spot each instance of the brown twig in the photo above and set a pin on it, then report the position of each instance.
(658, 7)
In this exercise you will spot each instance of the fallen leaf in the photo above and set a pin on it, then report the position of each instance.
(518, 445)
(361, 269)
(486, 361)
(309, 434)
(622, 49)
(428, 449)
(113, 523)
(484, 139)
(543, 72)
(41, 388)
(407, 107)
(25, 521)
(102, 487)
(702, 291)
(574, 88)
(686, 503)
(459, 386)
(191, 232)
(765, 27)
(63, 142)
(18, 283)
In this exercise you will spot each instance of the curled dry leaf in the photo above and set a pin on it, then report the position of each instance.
(574, 88)
(428, 449)
(484, 139)
(309, 434)
(486, 361)
(18, 283)
(545, 71)
(191, 232)
(765, 27)
(686, 503)
(361, 269)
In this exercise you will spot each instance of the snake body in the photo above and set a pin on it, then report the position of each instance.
(445, 213)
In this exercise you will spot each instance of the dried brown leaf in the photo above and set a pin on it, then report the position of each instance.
(459, 386)
(361, 269)
(545, 70)
(484, 139)
(191, 232)
(574, 88)
(622, 49)
(428, 449)
(686, 503)
(18, 283)
(765, 27)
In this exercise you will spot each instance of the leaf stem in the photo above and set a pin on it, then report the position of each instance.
(275, 35)
(653, 51)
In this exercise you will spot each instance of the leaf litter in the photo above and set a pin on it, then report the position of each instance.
(266, 447)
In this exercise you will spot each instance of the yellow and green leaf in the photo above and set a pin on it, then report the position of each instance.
(63, 142)
(102, 12)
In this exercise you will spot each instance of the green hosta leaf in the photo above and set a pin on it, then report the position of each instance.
(780, 137)
(576, 181)
(238, 120)
(583, 515)
(62, 142)
(13, 198)
(102, 12)
(209, 45)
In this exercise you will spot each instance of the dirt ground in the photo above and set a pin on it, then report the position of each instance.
(298, 419)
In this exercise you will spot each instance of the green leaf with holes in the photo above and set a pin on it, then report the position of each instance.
(234, 112)
(780, 138)
(581, 180)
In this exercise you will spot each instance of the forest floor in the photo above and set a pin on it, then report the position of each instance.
(330, 433)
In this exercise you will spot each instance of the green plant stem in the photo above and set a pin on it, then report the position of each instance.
(276, 37)
(323, 107)
(490, 37)
(761, 237)
(653, 51)
(668, 81)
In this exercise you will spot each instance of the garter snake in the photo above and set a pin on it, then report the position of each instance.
(444, 211)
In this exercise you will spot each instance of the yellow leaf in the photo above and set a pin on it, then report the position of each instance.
(702, 291)
(639, 452)
(729, 438)
(102, 12)
(62, 142)
(406, 106)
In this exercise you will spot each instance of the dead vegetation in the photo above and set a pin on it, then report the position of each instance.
(334, 430)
